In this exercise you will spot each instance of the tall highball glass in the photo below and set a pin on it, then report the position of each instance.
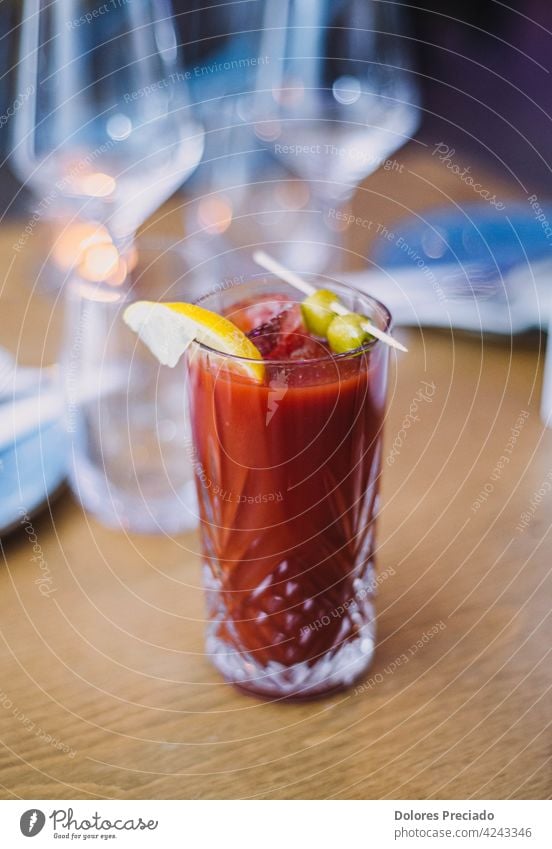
(287, 471)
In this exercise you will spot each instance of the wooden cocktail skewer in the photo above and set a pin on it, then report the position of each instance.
(270, 264)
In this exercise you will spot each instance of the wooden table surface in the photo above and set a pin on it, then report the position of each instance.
(106, 692)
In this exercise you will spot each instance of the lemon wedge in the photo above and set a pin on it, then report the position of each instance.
(168, 328)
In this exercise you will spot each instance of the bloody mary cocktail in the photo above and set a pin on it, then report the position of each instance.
(287, 471)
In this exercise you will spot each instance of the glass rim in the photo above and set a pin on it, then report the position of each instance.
(329, 357)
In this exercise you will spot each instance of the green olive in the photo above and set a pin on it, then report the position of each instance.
(317, 312)
(345, 333)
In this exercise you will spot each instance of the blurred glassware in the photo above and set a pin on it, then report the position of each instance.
(222, 52)
(336, 95)
(59, 245)
(130, 458)
(241, 198)
(106, 123)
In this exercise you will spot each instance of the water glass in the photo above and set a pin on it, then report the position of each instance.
(126, 415)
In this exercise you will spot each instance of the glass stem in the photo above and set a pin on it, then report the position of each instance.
(124, 244)
(336, 217)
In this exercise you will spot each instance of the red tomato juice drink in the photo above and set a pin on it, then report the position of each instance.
(287, 472)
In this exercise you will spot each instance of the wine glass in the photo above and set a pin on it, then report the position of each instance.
(337, 96)
(107, 130)
(240, 197)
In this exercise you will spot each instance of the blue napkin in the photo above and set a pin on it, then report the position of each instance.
(475, 233)
(33, 459)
